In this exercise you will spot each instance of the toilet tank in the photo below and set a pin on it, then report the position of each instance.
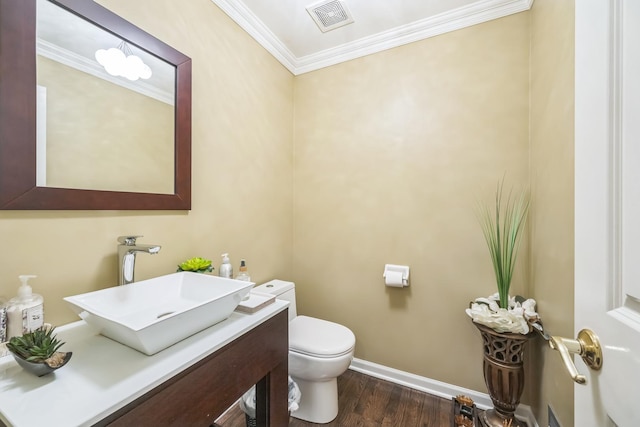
(282, 290)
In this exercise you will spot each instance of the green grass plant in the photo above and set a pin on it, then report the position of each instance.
(503, 225)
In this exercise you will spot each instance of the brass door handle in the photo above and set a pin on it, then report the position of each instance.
(587, 345)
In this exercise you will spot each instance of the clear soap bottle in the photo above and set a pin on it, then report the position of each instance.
(226, 269)
(25, 312)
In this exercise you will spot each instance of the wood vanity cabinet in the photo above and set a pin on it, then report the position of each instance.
(201, 393)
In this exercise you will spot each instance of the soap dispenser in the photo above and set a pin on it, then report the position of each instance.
(243, 274)
(226, 269)
(25, 312)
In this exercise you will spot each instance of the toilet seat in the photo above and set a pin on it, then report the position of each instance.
(319, 338)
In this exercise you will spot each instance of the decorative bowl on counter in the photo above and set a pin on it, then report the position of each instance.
(37, 351)
(42, 368)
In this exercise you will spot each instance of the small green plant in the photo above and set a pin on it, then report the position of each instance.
(502, 227)
(37, 346)
(197, 264)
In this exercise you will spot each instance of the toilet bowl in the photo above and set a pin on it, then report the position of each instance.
(319, 352)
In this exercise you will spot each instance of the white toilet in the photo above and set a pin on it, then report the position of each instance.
(319, 351)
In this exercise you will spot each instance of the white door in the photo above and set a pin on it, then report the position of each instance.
(607, 216)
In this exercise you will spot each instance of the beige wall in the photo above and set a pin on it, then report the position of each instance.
(242, 171)
(391, 152)
(552, 183)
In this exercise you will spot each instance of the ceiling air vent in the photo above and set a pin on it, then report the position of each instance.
(330, 14)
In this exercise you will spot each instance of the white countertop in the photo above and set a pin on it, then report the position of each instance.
(103, 375)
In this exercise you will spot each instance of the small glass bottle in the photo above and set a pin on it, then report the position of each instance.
(243, 274)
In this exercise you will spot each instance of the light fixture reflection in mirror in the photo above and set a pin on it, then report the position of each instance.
(120, 61)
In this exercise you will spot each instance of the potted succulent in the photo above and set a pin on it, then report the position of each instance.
(197, 265)
(504, 321)
(37, 351)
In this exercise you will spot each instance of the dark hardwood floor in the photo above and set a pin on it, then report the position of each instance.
(366, 401)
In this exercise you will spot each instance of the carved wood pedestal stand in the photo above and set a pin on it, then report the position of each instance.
(503, 374)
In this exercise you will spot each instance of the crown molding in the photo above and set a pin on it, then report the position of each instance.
(249, 22)
(466, 16)
(476, 13)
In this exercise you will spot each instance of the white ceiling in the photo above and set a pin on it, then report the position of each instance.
(285, 28)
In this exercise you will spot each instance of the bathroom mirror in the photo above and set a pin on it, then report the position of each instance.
(73, 136)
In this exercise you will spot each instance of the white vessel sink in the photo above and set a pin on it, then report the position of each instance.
(154, 314)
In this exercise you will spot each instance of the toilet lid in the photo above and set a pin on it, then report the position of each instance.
(319, 338)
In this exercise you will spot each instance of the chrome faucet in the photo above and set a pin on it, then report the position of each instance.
(127, 250)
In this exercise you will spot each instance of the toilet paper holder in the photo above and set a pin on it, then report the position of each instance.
(395, 272)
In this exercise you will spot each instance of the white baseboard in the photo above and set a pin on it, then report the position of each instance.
(437, 388)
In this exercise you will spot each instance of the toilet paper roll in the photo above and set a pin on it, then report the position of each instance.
(393, 279)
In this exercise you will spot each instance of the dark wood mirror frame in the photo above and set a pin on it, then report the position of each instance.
(18, 190)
